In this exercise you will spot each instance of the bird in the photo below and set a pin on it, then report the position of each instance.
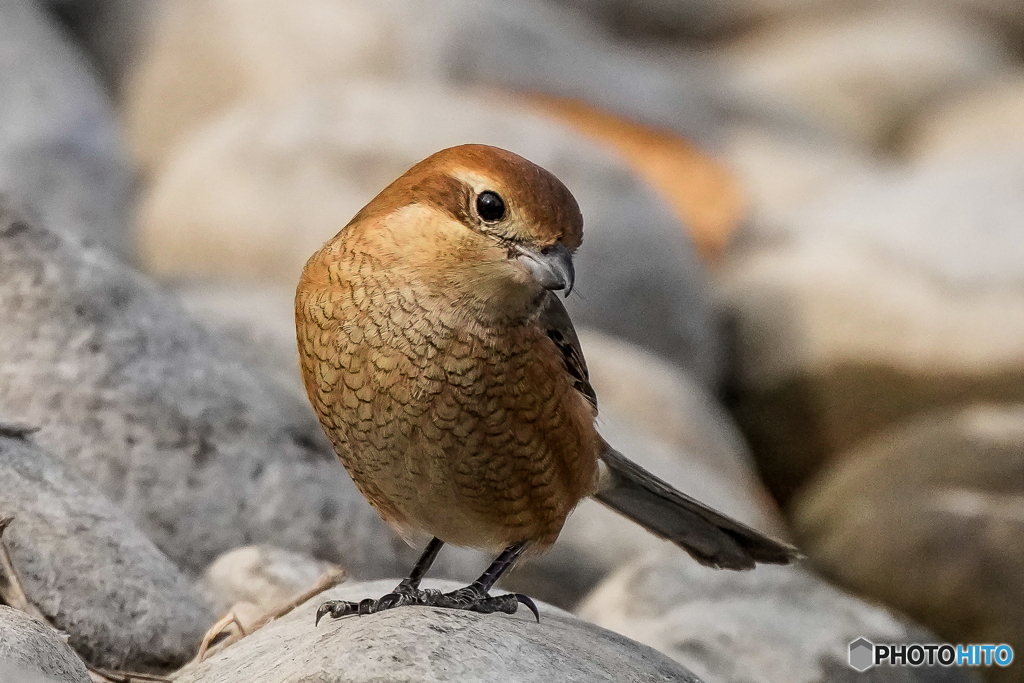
(447, 375)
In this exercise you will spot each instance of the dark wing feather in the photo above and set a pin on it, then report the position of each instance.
(555, 322)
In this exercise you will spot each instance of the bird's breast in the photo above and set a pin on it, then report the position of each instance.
(469, 432)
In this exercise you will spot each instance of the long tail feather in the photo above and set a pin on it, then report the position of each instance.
(708, 536)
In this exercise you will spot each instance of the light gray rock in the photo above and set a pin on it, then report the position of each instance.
(533, 46)
(260, 189)
(261, 575)
(783, 170)
(198, 63)
(772, 624)
(986, 121)
(942, 497)
(60, 146)
(12, 673)
(91, 572)
(32, 652)
(174, 424)
(859, 73)
(425, 644)
(883, 299)
(258, 318)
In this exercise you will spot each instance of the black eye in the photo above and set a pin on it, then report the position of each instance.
(490, 206)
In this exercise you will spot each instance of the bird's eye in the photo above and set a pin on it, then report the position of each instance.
(490, 206)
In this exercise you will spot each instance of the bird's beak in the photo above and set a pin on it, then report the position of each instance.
(551, 267)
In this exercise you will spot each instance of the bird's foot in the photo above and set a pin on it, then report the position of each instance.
(468, 598)
(402, 595)
(475, 600)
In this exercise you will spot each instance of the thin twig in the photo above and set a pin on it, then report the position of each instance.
(216, 630)
(329, 579)
(12, 591)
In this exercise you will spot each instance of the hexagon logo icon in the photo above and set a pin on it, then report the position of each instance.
(862, 654)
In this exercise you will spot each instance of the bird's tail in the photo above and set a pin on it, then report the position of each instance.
(708, 536)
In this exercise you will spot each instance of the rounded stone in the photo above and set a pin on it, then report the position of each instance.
(424, 643)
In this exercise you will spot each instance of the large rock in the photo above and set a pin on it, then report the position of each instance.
(987, 121)
(784, 170)
(60, 147)
(859, 74)
(889, 297)
(531, 46)
(421, 644)
(257, 191)
(32, 652)
(772, 624)
(173, 424)
(208, 54)
(90, 571)
(942, 497)
(258, 319)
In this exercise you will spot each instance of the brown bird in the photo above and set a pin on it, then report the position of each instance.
(450, 380)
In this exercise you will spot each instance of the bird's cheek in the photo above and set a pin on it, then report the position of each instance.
(503, 284)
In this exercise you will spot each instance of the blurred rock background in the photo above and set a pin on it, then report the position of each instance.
(801, 295)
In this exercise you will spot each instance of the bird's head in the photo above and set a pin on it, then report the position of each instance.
(479, 222)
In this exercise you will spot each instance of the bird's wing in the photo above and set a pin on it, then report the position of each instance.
(555, 322)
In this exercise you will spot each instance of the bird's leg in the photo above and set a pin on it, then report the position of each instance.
(406, 593)
(475, 598)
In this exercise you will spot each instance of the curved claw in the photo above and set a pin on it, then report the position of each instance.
(387, 601)
(323, 610)
(336, 608)
(528, 601)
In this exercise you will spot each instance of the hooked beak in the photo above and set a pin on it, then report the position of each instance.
(551, 267)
